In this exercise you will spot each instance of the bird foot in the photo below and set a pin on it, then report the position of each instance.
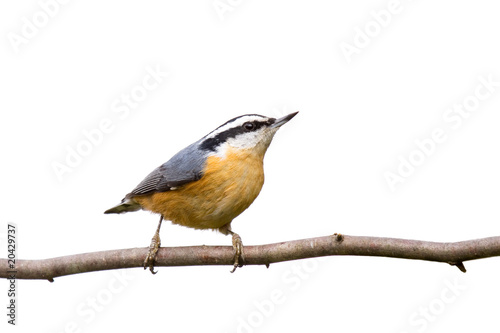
(238, 252)
(153, 250)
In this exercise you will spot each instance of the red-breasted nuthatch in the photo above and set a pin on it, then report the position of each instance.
(208, 183)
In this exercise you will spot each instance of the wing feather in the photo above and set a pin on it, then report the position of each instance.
(184, 167)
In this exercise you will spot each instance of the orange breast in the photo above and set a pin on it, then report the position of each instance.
(228, 186)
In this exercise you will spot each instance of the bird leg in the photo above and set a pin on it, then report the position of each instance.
(238, 251)
(153, 249)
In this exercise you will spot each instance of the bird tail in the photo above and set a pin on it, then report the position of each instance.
(127, 205)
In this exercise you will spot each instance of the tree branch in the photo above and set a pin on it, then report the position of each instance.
(451, 253)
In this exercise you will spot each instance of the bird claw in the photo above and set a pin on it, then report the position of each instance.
(153, 250)
(238, 252)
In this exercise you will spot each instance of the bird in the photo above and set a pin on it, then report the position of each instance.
(208, 183)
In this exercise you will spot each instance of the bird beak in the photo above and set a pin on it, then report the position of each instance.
(283, 120)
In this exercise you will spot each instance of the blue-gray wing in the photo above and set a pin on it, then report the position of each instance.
(184, 167)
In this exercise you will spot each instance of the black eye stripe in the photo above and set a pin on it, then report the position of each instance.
(212, 143)
(254, 125)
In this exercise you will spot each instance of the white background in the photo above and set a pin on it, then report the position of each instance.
(359, 115)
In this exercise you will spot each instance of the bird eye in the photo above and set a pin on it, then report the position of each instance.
(248, 126)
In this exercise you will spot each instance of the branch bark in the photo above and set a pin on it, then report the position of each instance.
(451, 253)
